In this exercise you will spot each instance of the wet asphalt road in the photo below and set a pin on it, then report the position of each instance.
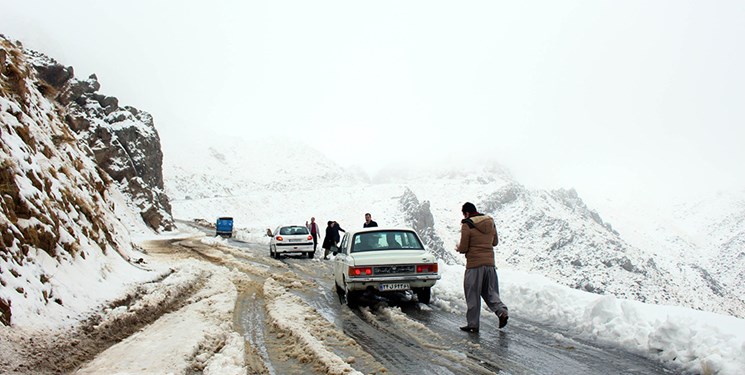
(425, 340)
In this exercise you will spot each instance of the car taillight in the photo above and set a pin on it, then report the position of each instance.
(426, 268)
(310, 238)
(279, 238)
(360, 271)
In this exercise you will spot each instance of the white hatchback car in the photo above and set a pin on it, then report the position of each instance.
(381, 260)
(290, 239)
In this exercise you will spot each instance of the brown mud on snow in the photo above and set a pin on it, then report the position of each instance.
(66, 350)
(249, 320)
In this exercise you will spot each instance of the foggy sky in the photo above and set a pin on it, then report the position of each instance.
(621, 99)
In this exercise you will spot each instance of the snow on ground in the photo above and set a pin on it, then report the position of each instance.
(79, 284)
(73, 286)
(690, 340)
(290, 314)
(694, 341)
(268, 209)
(199, 334)
(186, 338)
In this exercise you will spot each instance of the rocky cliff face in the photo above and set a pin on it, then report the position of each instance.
(419, 217)
(123, 139)
(61, 213)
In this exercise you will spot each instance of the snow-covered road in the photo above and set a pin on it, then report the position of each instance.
(305, 326)
(404, 337)
(226, 307)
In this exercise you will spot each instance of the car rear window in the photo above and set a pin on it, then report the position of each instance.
(386, 240)
(289, 231)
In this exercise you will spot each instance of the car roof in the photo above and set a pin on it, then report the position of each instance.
(379, 229)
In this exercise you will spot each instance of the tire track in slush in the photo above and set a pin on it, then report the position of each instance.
(250, 320)
(400, 347)
(393, 323)
(527, 347)
(437, 346)
(399, 355)
(401, 344)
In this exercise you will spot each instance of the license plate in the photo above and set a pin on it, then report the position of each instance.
(295, 240)
(388, 287)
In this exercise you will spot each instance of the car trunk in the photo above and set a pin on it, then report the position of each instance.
(371, 258)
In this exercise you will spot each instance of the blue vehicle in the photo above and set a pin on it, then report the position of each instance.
(224, 227)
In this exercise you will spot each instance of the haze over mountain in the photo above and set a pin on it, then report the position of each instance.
(81, 178)
(694, 260)
(635, 101)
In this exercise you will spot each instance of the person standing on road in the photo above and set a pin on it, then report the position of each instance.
(337, 229)
(328, 239)
(478, 236)
(332, 238)
(369, 222)
(314, 231)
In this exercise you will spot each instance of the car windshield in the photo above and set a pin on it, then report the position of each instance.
(386, 240)
(289, 231)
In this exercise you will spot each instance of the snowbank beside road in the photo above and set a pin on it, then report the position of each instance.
(197, 336)
(691, 340)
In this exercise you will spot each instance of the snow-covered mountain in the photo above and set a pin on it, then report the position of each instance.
(718, 225)
(229, 166)
(80, 175)
(549, 232)
(554, 233)
(704, 236)
(66, 221)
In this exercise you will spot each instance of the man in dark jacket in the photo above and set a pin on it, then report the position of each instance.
(478, 236)
(337, 229)
(332, 237)
(369, 222)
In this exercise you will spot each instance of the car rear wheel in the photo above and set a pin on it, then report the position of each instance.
(424, 295)
(350, 297)
(340, 293)
(353, 298)
(311, 254)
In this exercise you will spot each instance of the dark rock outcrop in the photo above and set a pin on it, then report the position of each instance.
(419, 216)
(504, 196)
(5, 312)
(123, 139)
(571, 199)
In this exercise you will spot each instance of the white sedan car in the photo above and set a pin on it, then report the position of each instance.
(290, 239)
(380, 260)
